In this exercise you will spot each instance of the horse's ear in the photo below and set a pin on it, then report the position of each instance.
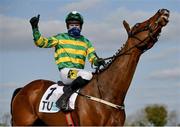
(127, 27)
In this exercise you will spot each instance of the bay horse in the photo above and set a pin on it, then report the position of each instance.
(109, 83)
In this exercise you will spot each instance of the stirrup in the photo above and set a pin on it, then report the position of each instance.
(62, 102)
(65, 107)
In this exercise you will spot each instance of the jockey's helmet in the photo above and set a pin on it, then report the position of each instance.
(74, 16)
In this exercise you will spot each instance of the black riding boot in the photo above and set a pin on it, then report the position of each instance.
(75, 85)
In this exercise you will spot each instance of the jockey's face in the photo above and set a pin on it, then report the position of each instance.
(72, 25)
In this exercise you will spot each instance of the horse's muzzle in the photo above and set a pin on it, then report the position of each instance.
(164, 18)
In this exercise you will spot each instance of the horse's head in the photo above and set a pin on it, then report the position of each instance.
(147, 32)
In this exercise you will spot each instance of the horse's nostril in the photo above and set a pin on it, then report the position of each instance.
(166, 14)
(165, 18)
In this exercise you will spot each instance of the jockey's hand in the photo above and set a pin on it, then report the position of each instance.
(34, 21)
(99, 62)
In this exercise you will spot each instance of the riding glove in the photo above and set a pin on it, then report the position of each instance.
(34, 21)
(99, 62)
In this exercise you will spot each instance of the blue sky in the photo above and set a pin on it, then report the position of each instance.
(157, 77)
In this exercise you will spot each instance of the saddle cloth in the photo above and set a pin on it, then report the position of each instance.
(52, 94)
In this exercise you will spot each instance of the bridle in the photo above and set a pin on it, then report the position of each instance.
(149, 28)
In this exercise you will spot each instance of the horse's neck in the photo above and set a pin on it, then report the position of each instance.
(116, 80)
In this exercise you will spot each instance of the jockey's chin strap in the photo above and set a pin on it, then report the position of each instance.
(119, 107)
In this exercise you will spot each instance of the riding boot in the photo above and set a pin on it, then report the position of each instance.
(62, 102)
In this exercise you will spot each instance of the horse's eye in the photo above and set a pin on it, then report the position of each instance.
(137, 24)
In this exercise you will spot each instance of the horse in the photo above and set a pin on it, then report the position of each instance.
(110, 83)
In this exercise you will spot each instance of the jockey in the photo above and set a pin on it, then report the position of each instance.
(71, 50)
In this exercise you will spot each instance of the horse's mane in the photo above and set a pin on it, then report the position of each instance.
(111, 60)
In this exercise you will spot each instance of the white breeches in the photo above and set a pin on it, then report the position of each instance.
(69, 74)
